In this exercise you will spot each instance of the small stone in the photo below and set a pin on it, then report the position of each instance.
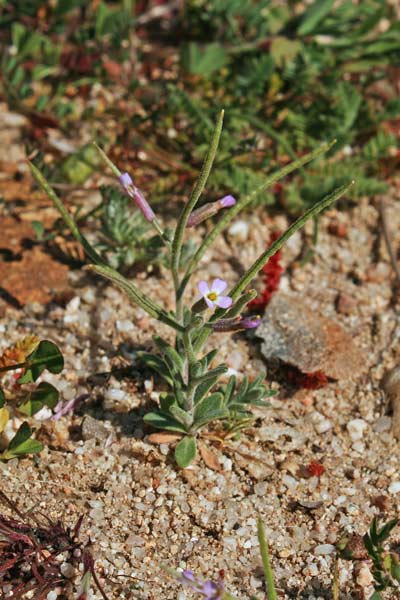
(94, 429)
(394, 487)
(338, 229)
(114, 394)
(124, 325)
(382, 424)
(322, 426)
(346, 305)
(239, 230)
(356, 429)
(364, 576)
(324, 549)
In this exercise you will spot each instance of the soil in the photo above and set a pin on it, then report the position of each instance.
(140, 511)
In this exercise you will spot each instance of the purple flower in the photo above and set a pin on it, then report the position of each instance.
(236, 324)
(213, 296)
(137, 196)
(208, 210)
(208, 589)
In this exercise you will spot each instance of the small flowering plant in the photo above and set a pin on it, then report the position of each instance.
(196, 398)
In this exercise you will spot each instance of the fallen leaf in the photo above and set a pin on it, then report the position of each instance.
(210, 458)
(163, 438)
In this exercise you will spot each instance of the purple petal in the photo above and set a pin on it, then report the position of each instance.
(218, 286)
(203, 288)
(227, 201)
(209, 587)
(188, 575)
(125, 179)
(224, 301)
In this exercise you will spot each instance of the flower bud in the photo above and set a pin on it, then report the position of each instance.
(209, 210)
(236, 324)
(137, 196)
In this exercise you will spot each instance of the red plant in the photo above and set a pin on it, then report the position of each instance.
(272, 272)
(30, 551)
(315, 469)
(307, 381)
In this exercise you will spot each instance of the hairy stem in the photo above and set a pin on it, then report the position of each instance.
(189, 206)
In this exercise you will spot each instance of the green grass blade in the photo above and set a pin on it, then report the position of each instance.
(264, 551)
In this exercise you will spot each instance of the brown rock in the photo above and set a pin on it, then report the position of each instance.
(296, 335)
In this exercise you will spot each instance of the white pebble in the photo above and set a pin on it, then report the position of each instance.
(239, 230)
(52, 595)
(394, 487)
(73, 304)
(124, 325)
(356, 429)
(114, 394)
(323, 426)
(323, 549)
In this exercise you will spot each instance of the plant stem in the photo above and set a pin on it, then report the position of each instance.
(232, 212)
(264, 551)
(189, 206)
(69, 221)
(189, 360)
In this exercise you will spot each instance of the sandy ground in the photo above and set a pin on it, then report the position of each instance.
(140, 511)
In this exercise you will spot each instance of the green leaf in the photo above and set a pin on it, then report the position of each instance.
(209, 409)
(46, 356)
(185, 452)
(161, 420)
(44, 395)
(203, 388)
(39, 229)
(204, 60)
(22, 444)
(155, 363)
(317, 11)
(181, 415)
(284, 51)
(384, 532)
